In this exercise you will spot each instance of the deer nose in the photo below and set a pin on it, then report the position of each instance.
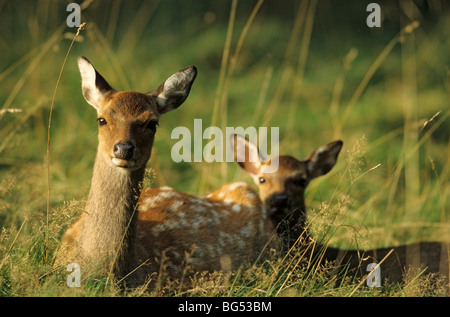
(124, 151)
(280, 199)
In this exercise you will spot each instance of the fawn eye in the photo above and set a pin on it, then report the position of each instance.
(102, 121)
(152, 125)
(262, 180)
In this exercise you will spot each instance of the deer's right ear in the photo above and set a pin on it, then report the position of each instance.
(174, 91)
(246, 154)
(93, 85)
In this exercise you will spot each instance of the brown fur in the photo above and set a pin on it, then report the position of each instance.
(219, 232)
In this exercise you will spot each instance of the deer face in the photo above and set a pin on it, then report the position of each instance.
(283, 191)
(127, 128)
(128, 120)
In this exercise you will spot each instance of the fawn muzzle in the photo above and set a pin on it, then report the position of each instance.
(278, 204)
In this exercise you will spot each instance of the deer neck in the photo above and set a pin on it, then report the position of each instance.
(110, 220)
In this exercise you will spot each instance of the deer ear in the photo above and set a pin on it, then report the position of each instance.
(322, 160)
(174, 91)
(94, 86)
(246, 154)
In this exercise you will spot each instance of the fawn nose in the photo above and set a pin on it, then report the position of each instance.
(280, 200)
(124, 151)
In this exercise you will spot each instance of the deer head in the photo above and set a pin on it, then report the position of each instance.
(283, 191)
(128, 120)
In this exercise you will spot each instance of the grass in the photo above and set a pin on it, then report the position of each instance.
(301, 68)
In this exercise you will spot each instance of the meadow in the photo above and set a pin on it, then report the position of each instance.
(312, 68)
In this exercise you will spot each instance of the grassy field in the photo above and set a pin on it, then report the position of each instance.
(312, 68)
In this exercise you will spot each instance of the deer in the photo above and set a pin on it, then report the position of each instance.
(283, 193)
(133, 233)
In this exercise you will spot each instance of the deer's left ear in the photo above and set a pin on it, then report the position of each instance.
(174, 91)
(322, 160)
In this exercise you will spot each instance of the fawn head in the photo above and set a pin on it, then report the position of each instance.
(283, 191)
(127, 120)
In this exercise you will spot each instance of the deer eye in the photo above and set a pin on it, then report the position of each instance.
(102, 121)
(152, 125)
(262, 180)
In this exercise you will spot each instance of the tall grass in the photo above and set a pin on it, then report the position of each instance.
(389, 103)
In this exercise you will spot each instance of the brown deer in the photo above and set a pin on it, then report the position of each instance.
(133, 234)
(283, 194)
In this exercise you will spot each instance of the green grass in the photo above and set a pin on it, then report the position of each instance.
(338, 79)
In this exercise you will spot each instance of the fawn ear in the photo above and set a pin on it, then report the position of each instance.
(246, 154)
(174, 91)
(322, 160)
(94, 86)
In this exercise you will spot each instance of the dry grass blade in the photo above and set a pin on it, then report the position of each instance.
(373, 270)
(12, 244)
(81, 27)
(13, 110)
(228, 65)
(369, 74)
(429, 121)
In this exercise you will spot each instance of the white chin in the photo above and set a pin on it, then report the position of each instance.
(122, 163)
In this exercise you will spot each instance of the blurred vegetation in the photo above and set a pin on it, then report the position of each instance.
(312, 68)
